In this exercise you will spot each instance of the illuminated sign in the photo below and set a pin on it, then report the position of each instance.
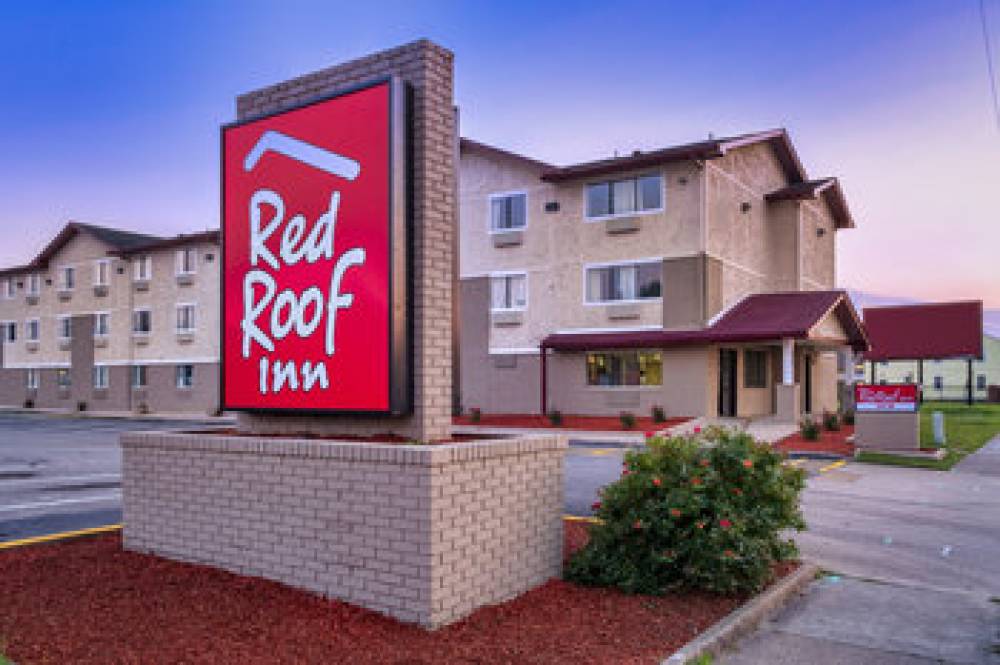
(315, 261)
(887, 397)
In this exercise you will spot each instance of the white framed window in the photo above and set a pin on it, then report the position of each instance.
(938, 383)
(63, 379)
(623, 282)
(8, 331)
(9, 288)
(185, 376)
(67, 278)
(627, 196)
(101, 376)
(64, 327)
(508, 211)
(186, 259)
(32, 330)
(185, 318)
(142, 268)
(508, 291)
(34, 284)
(102, 324)
(625, 368)
(139, 376)
(980, 382)
(142, 321)
(102, 272)
(31, 379)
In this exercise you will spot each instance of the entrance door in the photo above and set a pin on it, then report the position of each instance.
(807, 385)
(727, 383)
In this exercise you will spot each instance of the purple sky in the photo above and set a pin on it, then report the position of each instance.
(112, 110)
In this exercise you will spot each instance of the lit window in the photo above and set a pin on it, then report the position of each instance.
(509, 291)
(625, 197)
(185, 376)
(508, 212)
(632, 281)
(625, 368)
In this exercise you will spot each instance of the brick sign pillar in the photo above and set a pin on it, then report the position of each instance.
(428, 69)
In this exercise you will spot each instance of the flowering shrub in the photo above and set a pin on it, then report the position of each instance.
(704, 511)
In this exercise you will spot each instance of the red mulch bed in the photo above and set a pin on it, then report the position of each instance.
(829, 442)
(88, 601)
(591, 423)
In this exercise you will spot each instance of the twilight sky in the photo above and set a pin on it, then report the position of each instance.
(110, 111)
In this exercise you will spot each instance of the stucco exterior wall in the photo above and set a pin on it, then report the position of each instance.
(819, 237)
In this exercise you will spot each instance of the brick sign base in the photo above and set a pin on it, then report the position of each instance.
(425, 534)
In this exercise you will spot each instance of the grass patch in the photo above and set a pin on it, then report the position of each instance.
(967, 429)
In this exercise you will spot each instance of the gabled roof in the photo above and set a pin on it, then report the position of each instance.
(709, 149)
(475, 146)
(932, 331)
(828, 188)
(118, 239)
(757, 318)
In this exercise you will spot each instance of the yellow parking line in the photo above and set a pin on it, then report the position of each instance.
(582, 518)
(60, 536)
(600, 451)
(834, 465)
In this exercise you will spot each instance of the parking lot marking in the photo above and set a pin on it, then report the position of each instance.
(60, 536)
(834, 465)
(60, 502)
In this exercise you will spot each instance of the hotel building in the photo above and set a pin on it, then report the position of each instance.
(109, 320)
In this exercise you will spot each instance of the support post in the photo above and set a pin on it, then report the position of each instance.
(920, 380)
(872, 363)
(788, 361)
(969, 384)
(544, 407)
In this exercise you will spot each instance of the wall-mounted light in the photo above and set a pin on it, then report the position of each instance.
(820, 232)
(745, 207)
(551, 206)
(209, 257)
(682, 180)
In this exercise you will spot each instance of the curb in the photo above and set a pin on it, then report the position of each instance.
(53, 537)
(745, 619)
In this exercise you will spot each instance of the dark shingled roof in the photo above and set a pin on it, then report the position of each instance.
(756, 318)
(925, 332)
(212, 236)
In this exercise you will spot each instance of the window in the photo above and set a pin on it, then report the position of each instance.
(102, 324)
(625, 197)
(938, 383)
(755, 368)
(633, 281)
(34, 285)
(142, 268)
(32, 330)
(31, 379)
(980, 382)
(625, 368)
(508, 211)
(142, 322)
(62, 378)
(102, 272)
(186, 261)
(185, 376)
(185, 318)
(509, 291)
(101, 375)
(139, 376)
(8, 288)
(65, 327)
(8, 331)
(908, 378)
(67, 278)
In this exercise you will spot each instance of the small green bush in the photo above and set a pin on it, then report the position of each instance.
(659, 415)
(702, 512)
(555, 417)
(831, 421)
(809, 429)
(475, 415)
(847, 418)
(627, 419)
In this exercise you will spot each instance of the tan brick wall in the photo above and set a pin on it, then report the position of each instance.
(428, 68)
(425, 534)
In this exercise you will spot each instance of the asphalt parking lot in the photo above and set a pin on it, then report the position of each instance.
(61, 473)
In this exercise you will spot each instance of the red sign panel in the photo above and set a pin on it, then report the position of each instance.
(314, 257)
(888, 397)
